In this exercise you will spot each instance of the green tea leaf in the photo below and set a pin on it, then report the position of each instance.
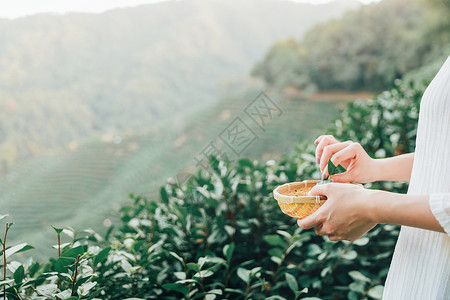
(210, 296)
(202, 261)
(358, 276)
(243, 274)
(228, 251)
(350, 255)
(58, 230)
(19, 275)
(6, 282)
(215, 260)
(164, 195)
(102, 256)
(332, 169)
(292, 282)
(47, 289)
(177, 287)
(73, 252)
(16, 249)
(276, 297)
(362, 241)
(203, 274)
(275, 240)
(276, 252)
(245, 163)
(84, 289)
(376, 292)
(62, 264)
(177, 256)
(95, 294)
(193, 266)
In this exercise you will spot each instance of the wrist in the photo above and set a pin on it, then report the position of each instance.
(380, 167)
(374, 206)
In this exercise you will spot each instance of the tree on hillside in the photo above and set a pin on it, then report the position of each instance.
(365, 50)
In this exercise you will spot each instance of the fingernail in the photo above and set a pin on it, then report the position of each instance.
(315, 142)
(323, 175)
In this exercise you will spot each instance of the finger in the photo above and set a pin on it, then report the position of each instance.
(351, 175)
(347, 153)
(317, 141)
(323, 230)
(319, 229)
(320, 190)
(329, 151)
(345, 177)
(309, 222)
(334, 238)
(324, 141)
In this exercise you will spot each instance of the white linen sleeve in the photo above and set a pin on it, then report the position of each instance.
(440, 207)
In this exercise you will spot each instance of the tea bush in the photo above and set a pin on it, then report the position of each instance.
(221, 235)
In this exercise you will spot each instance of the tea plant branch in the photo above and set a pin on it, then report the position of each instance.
(283, 257)
(4, 258)
(262, 288)
(367, 291)
(260, 221)
(228, 275)
(233, 219)
(59, 255)
(58, 232)
(152, 231)
(247, 289)
(17, 294)
(338, 261)
(135, 278)
(35, 290)
(202, 285)
(75, 276)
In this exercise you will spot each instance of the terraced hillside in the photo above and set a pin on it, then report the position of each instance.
(82, 185)
(76, 76)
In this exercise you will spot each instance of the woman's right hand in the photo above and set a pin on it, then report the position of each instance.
(359, 165)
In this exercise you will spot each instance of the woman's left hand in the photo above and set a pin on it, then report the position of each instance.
(345, 215)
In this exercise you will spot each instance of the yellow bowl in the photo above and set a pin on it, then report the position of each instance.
(293, 200)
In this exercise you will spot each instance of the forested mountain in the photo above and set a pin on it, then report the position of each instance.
(69, 77)
(365, 50)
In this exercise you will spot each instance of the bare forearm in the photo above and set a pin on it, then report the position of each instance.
(401, 209)
(397, 168)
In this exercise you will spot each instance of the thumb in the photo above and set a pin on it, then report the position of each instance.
(343, 177)
(313, 219)
(319, 190)
(309, 222)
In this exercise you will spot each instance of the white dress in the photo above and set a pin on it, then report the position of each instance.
(420, 267)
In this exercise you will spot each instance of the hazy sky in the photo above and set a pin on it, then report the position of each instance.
(19, 8)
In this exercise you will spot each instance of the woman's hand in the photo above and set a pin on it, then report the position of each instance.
(359, 165)
(350, 211)
(344, 216)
